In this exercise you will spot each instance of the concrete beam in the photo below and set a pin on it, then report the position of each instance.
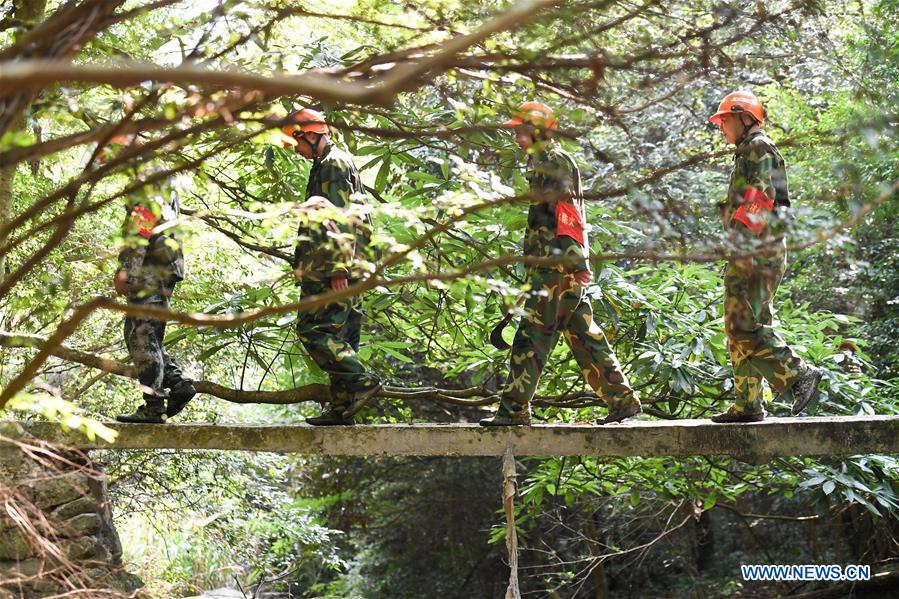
(758, 442)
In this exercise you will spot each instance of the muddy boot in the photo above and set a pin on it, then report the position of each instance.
(733, 415)
(621, 412)
(362, 397)
(509, 414)
(804, 388)
(179, 395)
(152, 412)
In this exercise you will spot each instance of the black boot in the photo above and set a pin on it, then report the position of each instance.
(513, 419)
(732, 415)
(152, 412)
(332, 416)
(362, 397)
(804, 389)
(509, 414)
(179, 395)
(620, 413)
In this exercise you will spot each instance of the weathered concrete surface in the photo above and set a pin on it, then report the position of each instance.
(752, 442)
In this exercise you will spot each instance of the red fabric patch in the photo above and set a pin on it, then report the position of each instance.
(753, 212)
(143, 220)
(569, 222)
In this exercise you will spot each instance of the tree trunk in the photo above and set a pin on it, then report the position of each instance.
(28, 13)
(705, 541)
(598, 574)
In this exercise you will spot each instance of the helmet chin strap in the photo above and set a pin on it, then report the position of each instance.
(746, 128)
(315, 152)
(313, 147)
(538, 136)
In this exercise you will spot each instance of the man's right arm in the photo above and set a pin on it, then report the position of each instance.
(337, 188)
(756, 194)
(137, 230)
(557, 181)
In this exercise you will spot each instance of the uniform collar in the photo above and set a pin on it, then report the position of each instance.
(325, 152)
(748, 138)
(542, 150)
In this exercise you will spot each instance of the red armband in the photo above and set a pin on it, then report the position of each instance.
(753, 212)
(143, 220)
(569, 221)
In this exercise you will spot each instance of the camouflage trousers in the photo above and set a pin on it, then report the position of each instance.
(558, 305)
(330, 333)
(756, 351)
(156, 370)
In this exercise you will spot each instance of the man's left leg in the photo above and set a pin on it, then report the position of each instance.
(535, 339)
(323, 331)
(771, 357)
(363, 389)
(756, 350)
(741, 326)
(594, 355)
(181, 389)
(143, 337)
(748, 394)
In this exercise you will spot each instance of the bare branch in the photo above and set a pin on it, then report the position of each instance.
(37, 74)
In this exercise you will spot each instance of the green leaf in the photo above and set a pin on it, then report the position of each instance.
(209, 352)
(394, 353)
(383, 173)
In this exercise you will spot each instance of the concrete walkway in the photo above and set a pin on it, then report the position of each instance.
(758, 442)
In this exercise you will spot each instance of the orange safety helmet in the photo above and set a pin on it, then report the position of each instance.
(536, 113)
(115, 143)
(738, 102)
(306, 121)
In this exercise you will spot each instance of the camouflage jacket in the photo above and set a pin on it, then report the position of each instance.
(758, 185)
(154, 262)
(556, 216)
(328, 247)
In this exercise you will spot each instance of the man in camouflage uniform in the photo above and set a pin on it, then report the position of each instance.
(333, 244)
(558, 302)
(754, 216)
(150, 265)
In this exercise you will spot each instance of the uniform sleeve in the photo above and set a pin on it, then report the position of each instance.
(761, 173)
(556, 177)
(136, 232)
(336, 182)
(755, 194)
(575, 259)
